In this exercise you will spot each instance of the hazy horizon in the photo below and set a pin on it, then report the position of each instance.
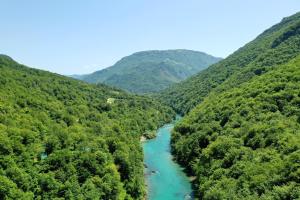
(83, 37)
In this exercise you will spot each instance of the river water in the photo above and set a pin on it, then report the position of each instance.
(165, 179)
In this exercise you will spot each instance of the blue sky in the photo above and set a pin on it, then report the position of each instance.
(81, 36)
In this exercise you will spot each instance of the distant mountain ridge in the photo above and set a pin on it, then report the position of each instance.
(151, 71)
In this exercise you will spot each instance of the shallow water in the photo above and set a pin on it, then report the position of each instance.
(165, 178)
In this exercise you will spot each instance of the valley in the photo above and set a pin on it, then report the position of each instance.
(79, 137)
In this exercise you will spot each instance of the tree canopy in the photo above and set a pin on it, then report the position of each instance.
(65, 139)
(242, 139)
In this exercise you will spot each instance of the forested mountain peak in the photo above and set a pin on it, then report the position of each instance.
(151, 71)
(5, 57)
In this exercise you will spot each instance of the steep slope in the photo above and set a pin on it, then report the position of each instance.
(63, 138)
(276, 45)
(244, 143)
(243, 140)
(151, 71)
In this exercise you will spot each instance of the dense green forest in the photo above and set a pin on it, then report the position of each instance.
(276, 45)
(65, 139)
(243, 140)
(151, 71)
(62, 138)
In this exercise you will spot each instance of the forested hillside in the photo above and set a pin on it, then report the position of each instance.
(65, 139)
(276, 45)
(151, 71)
(242, 141)
(245, 142)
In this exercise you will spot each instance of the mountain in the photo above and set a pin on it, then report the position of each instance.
(151, 71)
(242, 139)
(62, 138)
(274, 46)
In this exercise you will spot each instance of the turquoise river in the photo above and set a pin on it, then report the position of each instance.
(165, 179)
